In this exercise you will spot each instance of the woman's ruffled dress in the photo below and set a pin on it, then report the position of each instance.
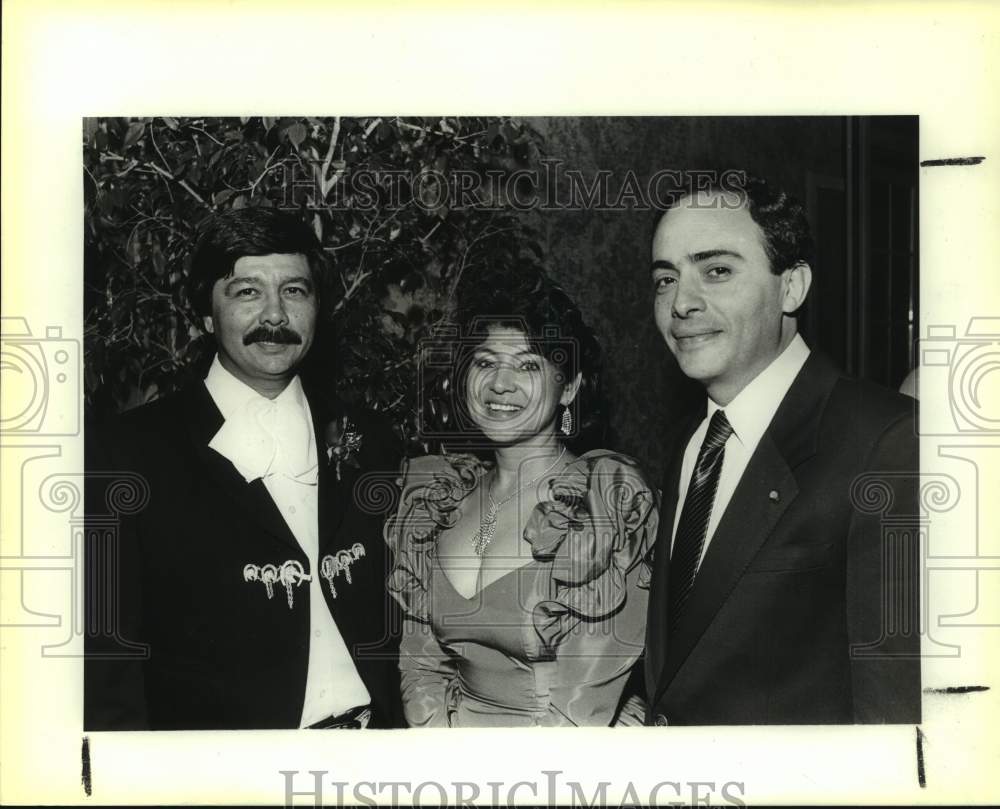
(550, 643)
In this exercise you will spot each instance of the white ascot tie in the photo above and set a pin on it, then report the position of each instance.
(269, 437)
(274, 440)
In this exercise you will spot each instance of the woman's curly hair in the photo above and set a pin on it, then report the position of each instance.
(522, 296)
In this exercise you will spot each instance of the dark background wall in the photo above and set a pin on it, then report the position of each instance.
(833, 164)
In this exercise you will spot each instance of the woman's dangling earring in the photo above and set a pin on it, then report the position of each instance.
(567, 422)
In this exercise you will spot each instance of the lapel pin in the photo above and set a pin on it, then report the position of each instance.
(344, 449)
(289, 575)
(328, 570)
(774, 496)
(344, 561)
(269, 575)
(332, 565)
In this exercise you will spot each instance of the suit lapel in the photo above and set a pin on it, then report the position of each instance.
(746, 524)
(332, 493)
(751, 515)
(656, 629)
(331, 507)
(204, 420)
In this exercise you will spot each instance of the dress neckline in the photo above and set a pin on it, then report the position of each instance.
(479, 590)
(483, 468)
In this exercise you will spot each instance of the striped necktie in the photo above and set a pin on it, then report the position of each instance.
(693, 524)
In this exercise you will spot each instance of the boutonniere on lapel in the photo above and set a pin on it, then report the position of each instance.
(343, 440)
(289, 575)
(332, 565)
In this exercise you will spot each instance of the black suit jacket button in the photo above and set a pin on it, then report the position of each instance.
(660, 721)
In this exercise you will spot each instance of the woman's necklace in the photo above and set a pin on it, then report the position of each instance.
(488, 523)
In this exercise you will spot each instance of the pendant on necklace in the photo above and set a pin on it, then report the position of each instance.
(487, 528)
(488, 524)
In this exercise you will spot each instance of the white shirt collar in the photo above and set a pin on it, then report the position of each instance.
(751, 411)
(230, 393)
(263, 436)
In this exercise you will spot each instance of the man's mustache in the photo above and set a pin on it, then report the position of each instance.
(262, 334)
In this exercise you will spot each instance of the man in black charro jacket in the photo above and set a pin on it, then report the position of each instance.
(243, 586)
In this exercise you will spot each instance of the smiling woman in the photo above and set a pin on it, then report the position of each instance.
(524, 359)
(512, 392)
(522, 569)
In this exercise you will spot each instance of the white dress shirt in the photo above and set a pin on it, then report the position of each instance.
(749, 414)
(274, 439)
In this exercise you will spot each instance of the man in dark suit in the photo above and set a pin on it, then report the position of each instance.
(239, 584)
(785, 585)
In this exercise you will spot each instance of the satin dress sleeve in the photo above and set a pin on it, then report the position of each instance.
(550, 643)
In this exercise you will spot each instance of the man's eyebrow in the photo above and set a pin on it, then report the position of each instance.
(695, 258)
(303, 280)
(241, 279)
(704, 255)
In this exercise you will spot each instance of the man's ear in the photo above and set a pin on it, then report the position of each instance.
(797, 280)
(570, 390)
(209, 325)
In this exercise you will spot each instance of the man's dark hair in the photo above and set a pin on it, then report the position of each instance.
(787, 237)
(225, 238)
